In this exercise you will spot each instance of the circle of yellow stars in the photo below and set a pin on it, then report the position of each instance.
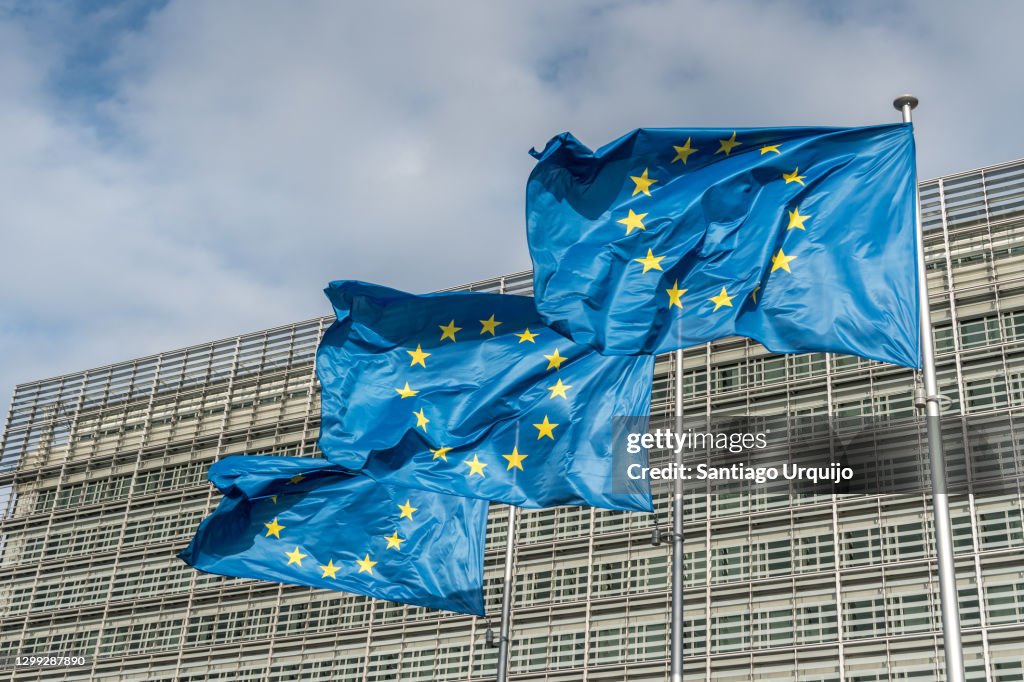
(635, 221)
(473, 466)
(330, 570)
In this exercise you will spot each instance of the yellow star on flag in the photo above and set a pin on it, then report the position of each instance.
(274, 498)
(515, 460)
(634, 221)
(651, 262)
(330, 570)
(406, 392)
(793, 177)
(643, 183)
(723, 299)
(394, 542)
(274, 528)
(753, 294)
(527, 336)
(796, 221)
(559, 389)
(545, 428)
(418, 356)
(440, 453)
(407, 510)
(774, 148)
(295, 557)
(489, 326)
(555, 360)
(727, 145)
(365, 565)
(297, 478)
(683, 153)
(421, 419)
(448, 330)
(675, 295)
(781, 261)
(475, 466)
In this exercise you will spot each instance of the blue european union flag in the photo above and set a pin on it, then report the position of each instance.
(470, 394)
(309, 522)
(800, 238)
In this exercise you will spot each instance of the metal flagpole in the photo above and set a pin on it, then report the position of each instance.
(940, 497)
(505, 630)
(505, 633)
(677, 537)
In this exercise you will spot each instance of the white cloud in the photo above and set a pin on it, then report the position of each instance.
(246, 153)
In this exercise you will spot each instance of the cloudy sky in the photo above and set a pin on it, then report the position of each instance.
(175, 173)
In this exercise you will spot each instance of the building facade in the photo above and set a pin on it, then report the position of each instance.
(102, 482)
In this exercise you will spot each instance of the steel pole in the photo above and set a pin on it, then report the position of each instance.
(952, 644)
(505, 632)
(677, 537)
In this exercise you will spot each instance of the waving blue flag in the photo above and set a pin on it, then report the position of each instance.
(799, 238)
(470, 394)
(309, 522)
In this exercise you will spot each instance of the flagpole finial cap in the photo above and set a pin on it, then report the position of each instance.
(904, 100)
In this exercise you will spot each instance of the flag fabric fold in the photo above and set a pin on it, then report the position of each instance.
(802, 239)
(309, 522)
(470, 394)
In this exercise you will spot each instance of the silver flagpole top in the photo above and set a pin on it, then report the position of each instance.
(904, 100)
